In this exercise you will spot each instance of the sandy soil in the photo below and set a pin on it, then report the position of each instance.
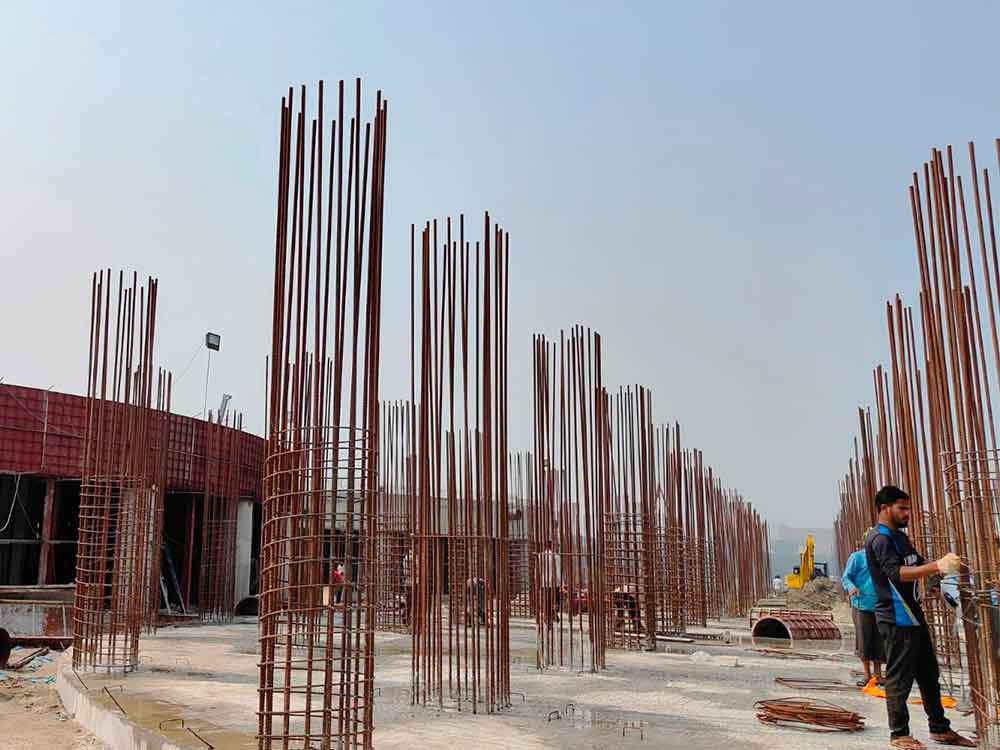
(31, 716)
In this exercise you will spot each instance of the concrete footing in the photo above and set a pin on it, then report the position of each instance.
(92, 709)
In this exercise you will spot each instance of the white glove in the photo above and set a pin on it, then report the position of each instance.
(950, 564)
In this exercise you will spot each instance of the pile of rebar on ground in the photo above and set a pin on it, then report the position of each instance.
(812, 715)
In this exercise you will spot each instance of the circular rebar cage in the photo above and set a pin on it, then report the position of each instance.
(115, 559)
(317, 630)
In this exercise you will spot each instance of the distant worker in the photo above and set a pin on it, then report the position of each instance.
(475, 599)
(625, 602)
(549, 577)
(338, 582)
(895, 567)
(776, 584)
(857, 583)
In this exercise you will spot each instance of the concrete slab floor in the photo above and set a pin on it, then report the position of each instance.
(207, 675)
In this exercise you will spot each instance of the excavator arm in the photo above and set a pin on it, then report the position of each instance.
(807, 560)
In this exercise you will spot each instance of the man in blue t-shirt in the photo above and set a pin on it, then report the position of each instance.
(895, 568)
(857, 582)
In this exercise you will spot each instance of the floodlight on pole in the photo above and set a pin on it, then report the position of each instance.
(212, 342)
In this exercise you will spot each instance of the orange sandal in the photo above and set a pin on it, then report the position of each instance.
(907, 743)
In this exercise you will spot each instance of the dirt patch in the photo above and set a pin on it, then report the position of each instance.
(818, 594)
(31, 715)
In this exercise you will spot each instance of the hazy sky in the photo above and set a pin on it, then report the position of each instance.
(718, 188)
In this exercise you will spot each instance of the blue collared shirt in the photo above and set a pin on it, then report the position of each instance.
(857, 581)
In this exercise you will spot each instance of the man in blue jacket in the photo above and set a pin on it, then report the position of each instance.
(895, 568)
(857, 582)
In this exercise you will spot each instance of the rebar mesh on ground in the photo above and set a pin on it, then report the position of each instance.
(317, 645)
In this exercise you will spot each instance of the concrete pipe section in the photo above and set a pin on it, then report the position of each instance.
(796, 625)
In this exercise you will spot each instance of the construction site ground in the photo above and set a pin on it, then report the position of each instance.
(201, 681)
(31, 715)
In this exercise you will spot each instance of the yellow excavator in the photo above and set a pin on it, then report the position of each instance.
(808, 568)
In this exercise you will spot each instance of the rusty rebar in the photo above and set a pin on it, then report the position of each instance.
(457, 567)
(934, 430)
(566, 553)
(321, 470)
(220, 500)
(121, 493)
(805, 713)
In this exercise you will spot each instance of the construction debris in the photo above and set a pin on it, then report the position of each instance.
(27, 659)
(818, 594)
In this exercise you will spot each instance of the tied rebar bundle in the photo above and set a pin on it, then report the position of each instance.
(811, 715)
